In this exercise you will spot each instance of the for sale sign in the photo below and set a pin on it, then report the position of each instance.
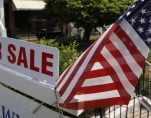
(35, 61)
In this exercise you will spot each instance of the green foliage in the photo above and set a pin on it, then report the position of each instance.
(145, 85)
(50, 42)
(149, 56)
(67, 40)
(68, 53)
(87, 13)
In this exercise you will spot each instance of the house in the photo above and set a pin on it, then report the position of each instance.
(27, 17)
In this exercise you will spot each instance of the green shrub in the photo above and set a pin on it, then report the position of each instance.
(68, 53)
(68, 40)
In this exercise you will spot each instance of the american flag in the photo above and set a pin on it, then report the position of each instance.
(108, 71)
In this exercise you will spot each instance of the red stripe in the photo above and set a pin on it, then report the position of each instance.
(122, 62)
(96, 73)
(64, 74)
(130, 46)
(96, 103)
(96, 88)
(106, 65)
(108, 70)
(65, 86)
(114, 77)
(82, 78)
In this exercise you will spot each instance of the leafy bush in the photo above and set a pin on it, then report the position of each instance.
(67, 40)
(68, 53)
(149, 56)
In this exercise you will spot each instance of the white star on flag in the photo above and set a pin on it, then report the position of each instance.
(143, 11)
(140, 29)
(142, 20)
(149, 30)
(133, 20)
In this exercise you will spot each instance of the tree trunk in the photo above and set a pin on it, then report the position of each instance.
(87, 34)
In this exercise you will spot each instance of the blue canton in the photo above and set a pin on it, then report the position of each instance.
(141, 22)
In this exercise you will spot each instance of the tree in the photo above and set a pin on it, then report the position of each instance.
(87, 13)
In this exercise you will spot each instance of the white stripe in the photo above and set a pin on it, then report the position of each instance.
(126, 54)
(82, 68)
(62, 75)
(97, 66)
(96, 96)
(142, 47)
(115, 65)
(97, 81)
(69, 73)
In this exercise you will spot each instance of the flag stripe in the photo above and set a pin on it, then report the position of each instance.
(97, 88)
(76, 81)
(96, 96)
(62, 76)
(114, 77)
(113, 62)
(76, 73)
(126, 54)
(66, 78)
(72, 70)
(129, 45)
(104, 72)
(96, 73)
(139, 43)
(96, 66)
(71, 84)
(123, 64)
(108, 71)
(97, 81)
(95, 103)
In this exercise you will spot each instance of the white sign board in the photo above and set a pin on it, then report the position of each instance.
(36, 61)
(37, 90)
(14, 105)
(28, 86)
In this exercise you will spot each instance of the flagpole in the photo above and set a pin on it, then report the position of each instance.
(57, 105)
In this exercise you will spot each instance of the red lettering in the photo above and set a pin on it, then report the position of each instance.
(22, 58)
(32, 60)
(11, 57)
(0, 51)
(46, 63)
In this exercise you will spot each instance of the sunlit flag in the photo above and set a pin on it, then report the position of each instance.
(108, 71)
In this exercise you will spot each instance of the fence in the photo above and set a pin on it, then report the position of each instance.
(139, 106)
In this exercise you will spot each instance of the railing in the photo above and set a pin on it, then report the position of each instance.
(139, 106)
